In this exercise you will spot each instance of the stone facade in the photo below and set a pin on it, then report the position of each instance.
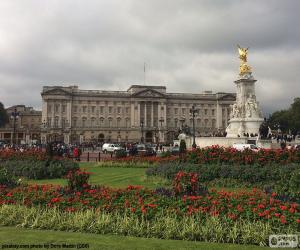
(72, 115)
(27, 125)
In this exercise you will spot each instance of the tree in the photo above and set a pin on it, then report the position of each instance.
(287, 120)
(182, 147)
(3, 116)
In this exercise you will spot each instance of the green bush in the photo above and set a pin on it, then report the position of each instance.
(121, 153)
(182, 147)
(165, 154)
(46, 169)
(282, 179)
(7, 179)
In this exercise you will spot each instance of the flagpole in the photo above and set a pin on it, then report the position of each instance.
(144, 73)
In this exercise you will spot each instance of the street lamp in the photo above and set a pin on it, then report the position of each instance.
(14, 116)
(194, 111)
(142, 131)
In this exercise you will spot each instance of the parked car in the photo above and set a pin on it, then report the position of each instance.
(110, 148)
(242, 147)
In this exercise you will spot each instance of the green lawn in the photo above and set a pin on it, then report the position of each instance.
(12, 235)
(113, 177)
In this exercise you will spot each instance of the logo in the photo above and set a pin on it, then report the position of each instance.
(283, 240)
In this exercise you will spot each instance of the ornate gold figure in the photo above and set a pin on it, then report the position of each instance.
(244, 67)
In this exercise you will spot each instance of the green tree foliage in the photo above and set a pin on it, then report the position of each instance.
(3, 116)
(287, 119)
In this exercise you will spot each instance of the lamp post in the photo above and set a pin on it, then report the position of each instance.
(161, 120)
(14, 116)
(194, 111)
(142, 131)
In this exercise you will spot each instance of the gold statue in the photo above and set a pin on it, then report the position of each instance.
(244, 67)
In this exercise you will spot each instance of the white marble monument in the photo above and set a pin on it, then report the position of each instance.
(246, 116)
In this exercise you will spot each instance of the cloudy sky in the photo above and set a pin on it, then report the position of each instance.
(188, 45)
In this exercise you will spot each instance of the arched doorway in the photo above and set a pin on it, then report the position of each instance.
(149, 136)
(101, 138)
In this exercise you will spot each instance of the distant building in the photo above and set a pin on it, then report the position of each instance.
(142, 112)
(27, 125)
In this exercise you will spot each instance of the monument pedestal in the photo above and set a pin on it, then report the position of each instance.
(246, 116)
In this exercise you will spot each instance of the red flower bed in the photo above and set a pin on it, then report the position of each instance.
(32, 154)
(254, 205)
(217, 154)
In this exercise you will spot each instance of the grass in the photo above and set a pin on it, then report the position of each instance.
(12, 235)
(117, 177)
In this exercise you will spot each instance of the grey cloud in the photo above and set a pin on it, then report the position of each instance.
(189, 45)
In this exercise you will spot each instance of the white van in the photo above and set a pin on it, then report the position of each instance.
(242, 147)
(110, 148)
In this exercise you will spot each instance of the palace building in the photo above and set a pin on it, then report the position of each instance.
(147, 113)
(24, 125)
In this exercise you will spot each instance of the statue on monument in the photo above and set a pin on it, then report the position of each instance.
(245, 69)
(235, 113)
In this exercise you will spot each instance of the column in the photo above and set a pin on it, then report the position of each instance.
(152, 114)
(219, 116)
(44, 111)
(132, 115)
(145, 114)
(138, 115)
(69, 113)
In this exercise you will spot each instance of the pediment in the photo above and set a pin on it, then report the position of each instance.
(149, 93)
(228, 97)
(56, 91)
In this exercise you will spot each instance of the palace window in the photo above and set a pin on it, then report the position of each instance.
(74, 122)
(75, 109)
(183, 111)
(49, 108)
(205, 111)
(56, 108)
(110, 110)
(64, 108)
(206, 123)
(127, 123)
(49, 121)
(212, 112)
(175, 111)
(198, 122)
(110, 120)
(101, 109)
(213, 123)
(93, 122)
(101, 122)
(119, 110)
(84, 109)
(127, 110)
(83, 122)
(93, 109)
(118, 122)
(56, 119)
(175, 123)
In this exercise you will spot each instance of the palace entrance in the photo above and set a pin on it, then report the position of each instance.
(149, 136)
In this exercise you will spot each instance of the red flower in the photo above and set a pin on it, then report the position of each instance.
(56, 199)
(283, 208)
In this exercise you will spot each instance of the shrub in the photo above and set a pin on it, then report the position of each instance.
(43, 169)
(7, 179)
(78, 180)
(188, 184)
(182, 147)
(121, 153)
